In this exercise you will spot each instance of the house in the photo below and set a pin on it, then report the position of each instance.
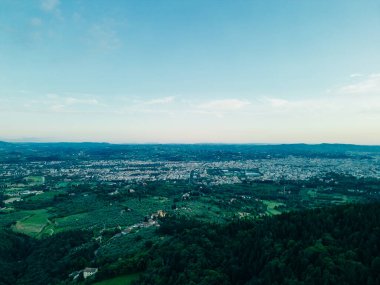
(159, 214)
(186, 196)
(88, 272)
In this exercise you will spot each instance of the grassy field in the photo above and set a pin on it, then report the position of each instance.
(121, 280)
(10, 217)
(35, 180)
(321, 198)
(129, 244)
(201, 209)
(33, 224)
(44, 196)
(271, 207)
(148, 205)
(62, 185)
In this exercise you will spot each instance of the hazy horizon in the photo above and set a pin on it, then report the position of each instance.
(260, 72)
(37, 141)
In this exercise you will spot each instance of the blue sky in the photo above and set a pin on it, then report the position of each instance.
(190, 71)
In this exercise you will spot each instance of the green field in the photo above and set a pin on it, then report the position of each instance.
(35, 180)
(62, 184)
(121, 280)
(271, 207)
(321, 198)
(33, 224)
(44, 196)
(11, 216)
(148, 205)
(201, 209)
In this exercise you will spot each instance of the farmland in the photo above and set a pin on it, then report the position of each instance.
(33, 224)
(121, 280)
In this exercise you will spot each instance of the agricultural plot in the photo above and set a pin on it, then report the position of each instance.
(35, 180)
(202, 209)
(121, 280)
(106, 217)
(14, 190)
(146, 206)
(48, 195)
(321, 198)
(127, 244)
(79, 203)
(272, 207)
(260, 190)
(9, 217)
(33, 224)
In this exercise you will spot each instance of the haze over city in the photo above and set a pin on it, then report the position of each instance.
(190, 71)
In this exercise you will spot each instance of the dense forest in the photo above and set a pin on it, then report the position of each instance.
(335, 245)
(338, 245)
(24, 260)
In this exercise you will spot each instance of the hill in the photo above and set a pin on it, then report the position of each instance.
(338, 245)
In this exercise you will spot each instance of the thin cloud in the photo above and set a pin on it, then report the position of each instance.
(164, 100)
(353, 75)
(49, 5)
(36, 22)
(346, 106)
(224, 105)
(76, 101)
(104, 35)
(276, 102)
(58, 103)
(55, 99)
(369, 85)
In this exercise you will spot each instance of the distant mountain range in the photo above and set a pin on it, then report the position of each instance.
(176, 152)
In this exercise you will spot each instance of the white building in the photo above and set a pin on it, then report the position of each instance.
(88, 271)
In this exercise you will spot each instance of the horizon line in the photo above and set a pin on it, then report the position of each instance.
(181, 143)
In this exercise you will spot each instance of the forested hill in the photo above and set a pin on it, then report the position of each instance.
(339, 245)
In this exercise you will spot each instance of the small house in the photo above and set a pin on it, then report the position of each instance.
(88, 272)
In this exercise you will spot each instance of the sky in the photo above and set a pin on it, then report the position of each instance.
(199, 71)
